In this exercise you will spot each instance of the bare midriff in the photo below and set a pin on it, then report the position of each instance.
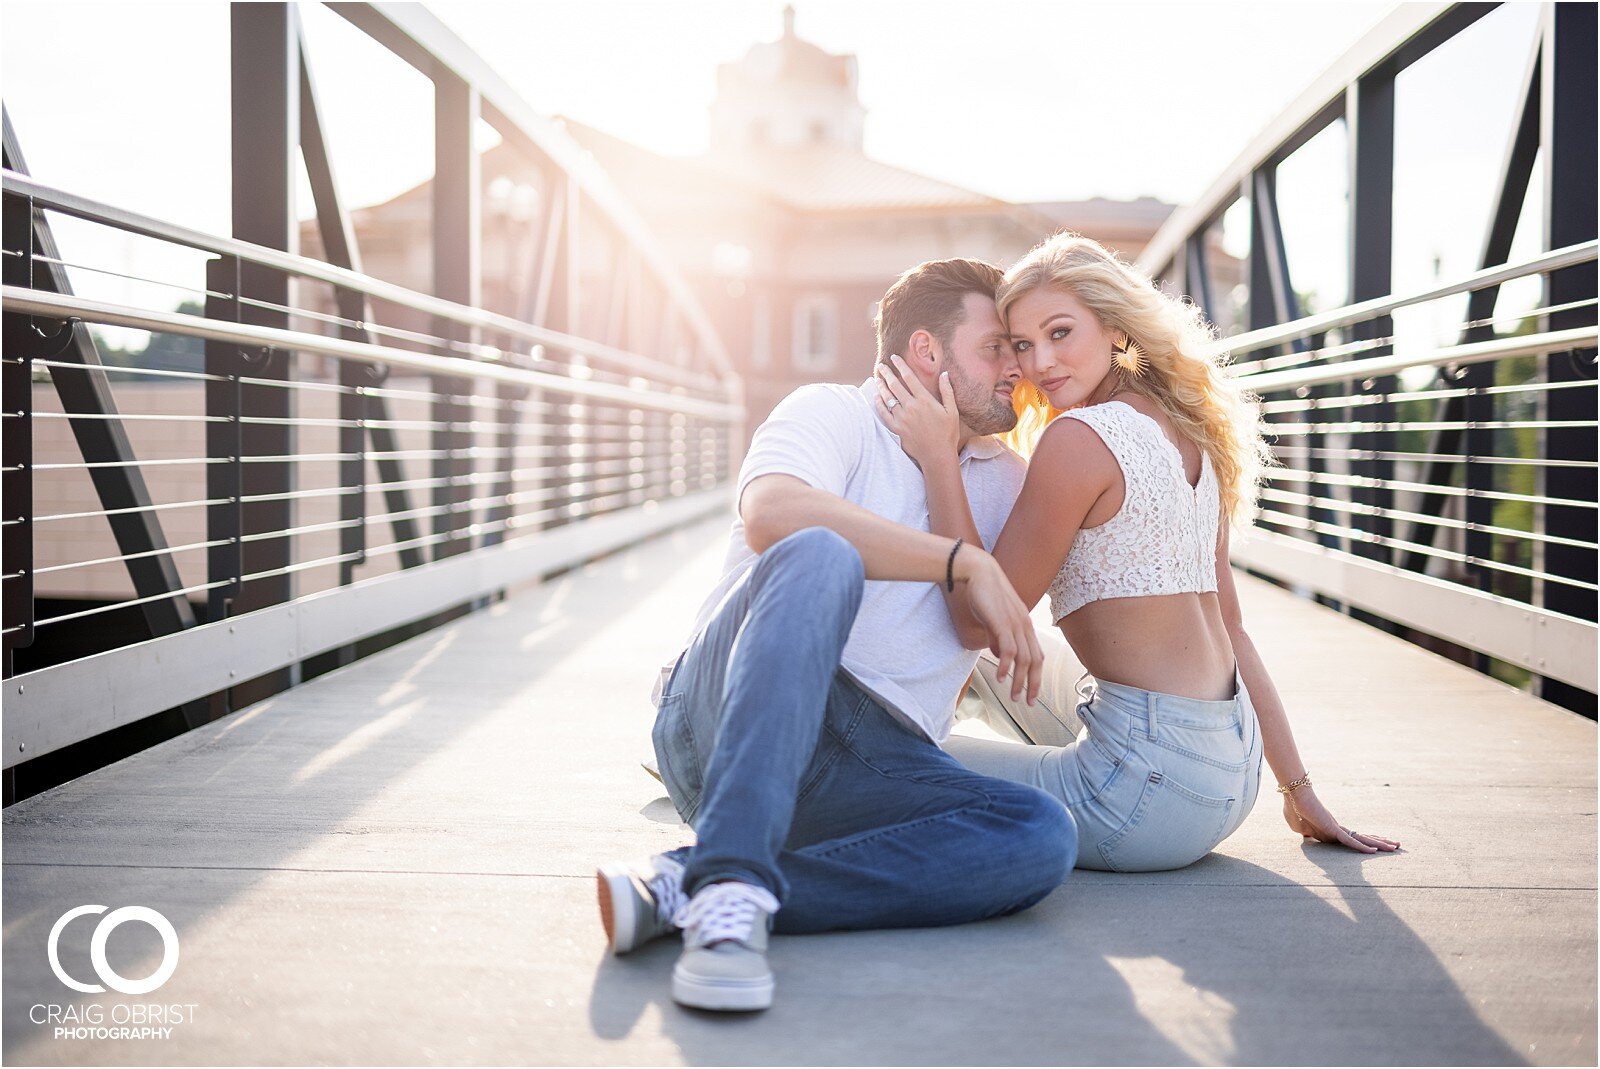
(1171, 643)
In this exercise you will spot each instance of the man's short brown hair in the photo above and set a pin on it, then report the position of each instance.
(930, 297)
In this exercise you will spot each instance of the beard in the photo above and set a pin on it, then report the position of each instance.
(981, 409)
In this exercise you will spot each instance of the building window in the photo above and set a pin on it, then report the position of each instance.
(816, 334)
(761, 332)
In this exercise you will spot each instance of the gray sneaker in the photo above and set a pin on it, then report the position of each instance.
(724, 960)
(637, 902)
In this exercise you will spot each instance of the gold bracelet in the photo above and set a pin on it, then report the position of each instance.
(1295, 785)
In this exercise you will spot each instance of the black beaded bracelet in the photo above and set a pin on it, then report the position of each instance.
(950, 567)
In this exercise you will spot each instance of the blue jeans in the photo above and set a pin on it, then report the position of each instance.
(1153, 781)
(797, 780)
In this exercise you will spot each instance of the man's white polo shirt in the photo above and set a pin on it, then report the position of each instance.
(903, 648)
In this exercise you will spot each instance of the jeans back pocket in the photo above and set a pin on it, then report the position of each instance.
(1170, 827)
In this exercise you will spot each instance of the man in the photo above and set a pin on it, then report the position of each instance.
(798, 733)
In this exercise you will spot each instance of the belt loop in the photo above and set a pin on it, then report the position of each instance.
(1150, 711)
(1241, 704)
(1085, 695)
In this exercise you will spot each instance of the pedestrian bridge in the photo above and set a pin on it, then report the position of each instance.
(332, 646)
(394, 863)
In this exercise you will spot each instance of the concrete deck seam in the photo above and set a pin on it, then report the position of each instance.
(1274, 885)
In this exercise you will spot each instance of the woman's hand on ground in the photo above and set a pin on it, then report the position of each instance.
(1305, 813)
(929, 427)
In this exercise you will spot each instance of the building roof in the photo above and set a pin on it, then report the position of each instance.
(1146, 213)
(815, 177)
(830, 177)
(624, 158)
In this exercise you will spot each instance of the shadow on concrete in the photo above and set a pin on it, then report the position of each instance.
(662, 812)
(239, 798)
(1150, 969)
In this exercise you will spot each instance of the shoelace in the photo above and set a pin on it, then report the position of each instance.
(666, 887)
(723, 911)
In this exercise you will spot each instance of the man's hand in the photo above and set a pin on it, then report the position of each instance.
(1003, 616)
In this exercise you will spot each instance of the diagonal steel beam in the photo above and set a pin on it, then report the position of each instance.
(1270, 270)
(1197, 277)
(1516, 171)
(537, 310)
(340, 247)
(86, 391)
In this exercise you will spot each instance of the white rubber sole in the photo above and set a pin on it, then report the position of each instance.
(703, 993)
(618, 907)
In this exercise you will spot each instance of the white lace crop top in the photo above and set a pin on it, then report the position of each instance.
(1163, 540)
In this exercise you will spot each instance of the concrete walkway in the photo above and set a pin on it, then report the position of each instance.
(394, 863)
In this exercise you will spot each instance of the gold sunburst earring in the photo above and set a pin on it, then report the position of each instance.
(1128, 357)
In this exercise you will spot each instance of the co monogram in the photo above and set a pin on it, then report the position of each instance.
(97, 950)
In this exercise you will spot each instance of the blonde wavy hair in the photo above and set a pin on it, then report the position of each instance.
(1183, 371)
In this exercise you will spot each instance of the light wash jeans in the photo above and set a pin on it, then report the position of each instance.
(797, 780)
(1153, 781)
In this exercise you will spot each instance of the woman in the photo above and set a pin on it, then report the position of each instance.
(1143, 452)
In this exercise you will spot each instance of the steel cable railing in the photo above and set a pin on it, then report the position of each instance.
(552, 432)
(1437, 481)
(1390, 495)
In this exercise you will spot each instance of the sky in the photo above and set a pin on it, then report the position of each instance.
(1021, 100)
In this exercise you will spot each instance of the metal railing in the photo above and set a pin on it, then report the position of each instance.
(1441, 483)
(323, 474)
(1398, 499)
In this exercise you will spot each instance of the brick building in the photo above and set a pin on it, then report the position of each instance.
(786, 230)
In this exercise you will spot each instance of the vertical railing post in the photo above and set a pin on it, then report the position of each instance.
(648, 448)
(265, 57)
(353, 416)
(224, 484)
(457, 276)
(559, 302)
(577, 412)
(1369, 115)
(16, 386)
(1568, 137)
(509, 417)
